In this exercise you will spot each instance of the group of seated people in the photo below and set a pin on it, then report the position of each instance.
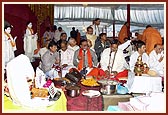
(98, 56)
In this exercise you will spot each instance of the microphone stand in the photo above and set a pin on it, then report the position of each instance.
(84, 66)
(109, 68)
(60, 65)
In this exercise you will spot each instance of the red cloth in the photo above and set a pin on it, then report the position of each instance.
(123, 74)
(83, 103)
(80, 64)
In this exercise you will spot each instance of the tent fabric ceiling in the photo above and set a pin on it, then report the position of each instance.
(79, 15)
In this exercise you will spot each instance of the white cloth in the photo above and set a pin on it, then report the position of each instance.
(8, 49)
(154, 103)
(119, 62)
(40, 78)
(30, 43)
(48, 35)
(145, 84)
(17, 70)
(67, 57)
(76, 47)
(155, 64)
(126, 45)
(57, 35)
(133, 60)
(96, 30)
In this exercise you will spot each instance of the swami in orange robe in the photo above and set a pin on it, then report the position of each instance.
(139, 36)
(123, 33)
(151, 37)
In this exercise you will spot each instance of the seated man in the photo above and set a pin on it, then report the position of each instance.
(113, 62)
(63, 37)
(156, 59)
(72, 44)
(140, 52)
(101, 44)
(49, 59)
(84, 57)
(66, 56)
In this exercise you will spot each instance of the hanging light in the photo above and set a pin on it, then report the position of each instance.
(85, 5)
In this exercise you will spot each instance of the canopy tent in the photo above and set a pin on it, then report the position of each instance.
(81, 15)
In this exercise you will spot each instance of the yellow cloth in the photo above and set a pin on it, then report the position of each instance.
(151, 36)
(58, 106)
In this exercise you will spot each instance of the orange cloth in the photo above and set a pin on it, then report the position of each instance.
(31, 30)
(123, 34)
(80, 65)
(12, 43)
(151, 37)
(139, 37)
(93, 72)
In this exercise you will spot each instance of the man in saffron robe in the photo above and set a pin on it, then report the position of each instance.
(123, 32)
(151, 36)
(90, 59)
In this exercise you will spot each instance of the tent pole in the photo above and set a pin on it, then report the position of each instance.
(128, 18)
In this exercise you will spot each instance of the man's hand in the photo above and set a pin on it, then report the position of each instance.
(15, 38)
(64, 65)
(161, 58)
(107, 73)
(114, 73)
(79, 57)
(57, 61)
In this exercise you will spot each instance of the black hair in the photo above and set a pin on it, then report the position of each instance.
(97, 19)
(139, 44)
(102, 34)
(89, 27)
(28, 23)
(148, 26)
(83, 40)
(55, 27)
(114, 41)
(63, 42)
(62, 34)
(7, 26)
(51, 44)
(59, 28)
(48, 28)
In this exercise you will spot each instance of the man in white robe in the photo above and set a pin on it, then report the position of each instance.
(72, 44)
(156, 59)
(112, 59)
(95, 26)
(140, 51)
(30, 41)
(9, 45)
(66, 60)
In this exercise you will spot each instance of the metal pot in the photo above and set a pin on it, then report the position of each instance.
(108, 87)
(73, 90)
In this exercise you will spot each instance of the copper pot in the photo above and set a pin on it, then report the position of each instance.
(73, 90)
